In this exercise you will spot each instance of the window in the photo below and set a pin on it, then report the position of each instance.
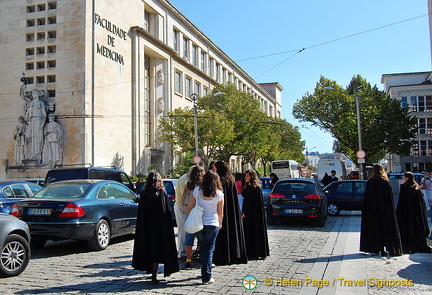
(40, 79)
(51, 93)
(217, 72)
(41, 7)
(41, 36)
(413, 105)
(40, 50)
(29, 66)
(428, 106)
(40, 65)
(421, 103)
(177, 82)
(30, 23)
(147, 21)
(29, 51)
(52, 5)
(52, 34)
(31, 9)
(41, 21)
(52, 49)
(52, 20)
(30, 37)
(51, 78)
(185, 47)
(188, 83)
(211, 67)
(175, 40)
(203, 61)
(51, 64)
(147, 105)
(429, 125)
(404, 102)
(194, 54)
(197, 89)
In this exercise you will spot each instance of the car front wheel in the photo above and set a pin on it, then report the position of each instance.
(15, 256)
(333, 209)
(102, 236)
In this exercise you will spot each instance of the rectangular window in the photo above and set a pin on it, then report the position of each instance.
(423, 147)
(52, 35)
(40, 79)
(177, 82)
(51, 78)
(205, 91)
(41, 21)
(421, 103)
(30, 23)
(30, 80)
(421, 126)
(52, 20)
(217, 72)
(30, 37)
(185, 47)
(175, 40)
(147, 21)
(52, 5)
(415, 148)
(429, 125)
(413, 104)
(51, 49)
(51, 93)
(404, 102)
(41, 7)
(31, 8)
(41, 36)
(211, 67)
(194, 54)
(29, 51)
(51, 64)
(428, 106)
(203, 61)
(197, 89)
(40, 65)
(40, 50)
(188, 83)
(29, 66)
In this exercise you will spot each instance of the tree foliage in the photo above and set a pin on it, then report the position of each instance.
(385, 125)
(232, 123)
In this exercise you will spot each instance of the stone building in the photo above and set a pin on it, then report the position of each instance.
(112, 69)
(414, 90)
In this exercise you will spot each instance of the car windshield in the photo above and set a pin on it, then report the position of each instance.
(294, 188)
(63, 191)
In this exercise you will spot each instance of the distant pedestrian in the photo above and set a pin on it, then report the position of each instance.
(379, 227)
(411, 215)
(139, 186)
(210, 198)
(254, 221)
(273, 179)
(230, 243)
(239, 187)
(154, 236)
(427, 183)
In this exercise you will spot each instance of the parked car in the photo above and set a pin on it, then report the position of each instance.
(55, 175)
(297, 198)
(266, 189)
(170, 184)
(14, 191)
(85, 209)
(14, 245)
(344, 195)
(354, 174)
(37, 181)
(396, 179)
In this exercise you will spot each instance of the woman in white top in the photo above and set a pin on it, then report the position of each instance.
(209, 197)
(428, 190)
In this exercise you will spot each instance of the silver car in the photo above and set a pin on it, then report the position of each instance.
(14, 245)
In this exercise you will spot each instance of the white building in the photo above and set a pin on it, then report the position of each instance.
(112, 69)
(415, 91)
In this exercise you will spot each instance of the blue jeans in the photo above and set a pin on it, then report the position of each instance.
(207, 239)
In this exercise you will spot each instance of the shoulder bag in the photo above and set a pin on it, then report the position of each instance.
(194, 222)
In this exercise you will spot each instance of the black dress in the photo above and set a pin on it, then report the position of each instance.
(230, 245)
(154, 235)
(254, 223)
(412, 220)
(379, 227)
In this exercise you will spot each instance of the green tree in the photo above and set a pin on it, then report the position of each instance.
(385, 125)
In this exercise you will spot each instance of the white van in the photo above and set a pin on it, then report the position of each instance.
(327, 165)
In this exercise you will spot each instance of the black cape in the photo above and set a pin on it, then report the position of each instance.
(379, 226)
(412, 220)
(154, 235)
(254, 223)
(230, 245)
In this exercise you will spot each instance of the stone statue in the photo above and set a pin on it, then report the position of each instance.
(160, 77)
(20, 141)
(35, 118)
(52, 154)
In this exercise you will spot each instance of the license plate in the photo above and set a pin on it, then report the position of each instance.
(293, 211)
(39, 211)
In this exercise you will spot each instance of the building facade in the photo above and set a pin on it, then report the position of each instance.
(112, 69)
(414, 90)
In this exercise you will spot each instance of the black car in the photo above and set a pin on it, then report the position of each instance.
(297, 198)
(86, 209)
(344, 195)
(14, 245)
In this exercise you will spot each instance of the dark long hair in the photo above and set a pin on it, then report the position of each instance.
(410, 180)
(378, 172)
(153, 185)
(255, 181)
(195, 177)
(210, 184)
(224, 173)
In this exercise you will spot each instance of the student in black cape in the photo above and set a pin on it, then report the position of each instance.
(154, 235)
(379, 227)
(411, 216)
(254, 222)
(230, 243)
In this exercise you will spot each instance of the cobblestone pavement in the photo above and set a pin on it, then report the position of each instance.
(302, 258)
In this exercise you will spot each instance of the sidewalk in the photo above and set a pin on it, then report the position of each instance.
(346, 270)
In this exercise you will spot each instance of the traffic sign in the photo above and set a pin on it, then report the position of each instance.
(197, 160)
(361, 154)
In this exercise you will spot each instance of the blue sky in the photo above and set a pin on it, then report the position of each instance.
(341, 39)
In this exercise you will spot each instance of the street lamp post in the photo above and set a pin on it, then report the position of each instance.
(357, 100)
(194, 98)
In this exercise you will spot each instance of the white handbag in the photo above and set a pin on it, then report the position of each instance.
(194, 223)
